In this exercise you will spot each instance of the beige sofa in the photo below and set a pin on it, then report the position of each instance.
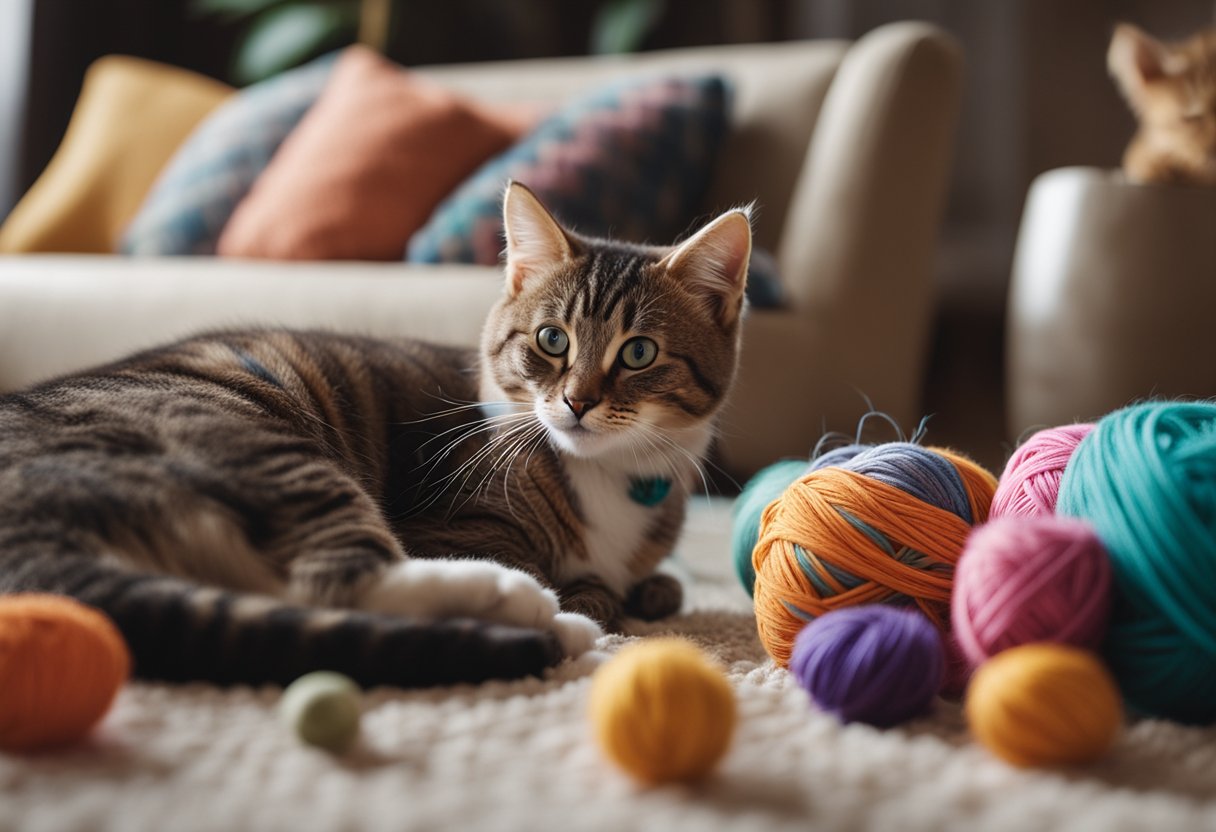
(845, 146)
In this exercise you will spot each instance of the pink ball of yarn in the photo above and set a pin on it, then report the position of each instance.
(1027, 579)
(1030, 483)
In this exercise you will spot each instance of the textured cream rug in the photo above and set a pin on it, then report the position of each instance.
(519, 756)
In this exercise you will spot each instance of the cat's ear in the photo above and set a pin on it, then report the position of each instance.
(535, 240)
(1136, 60)
(713, 263)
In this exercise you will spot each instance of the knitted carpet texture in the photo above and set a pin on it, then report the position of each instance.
(519, 756)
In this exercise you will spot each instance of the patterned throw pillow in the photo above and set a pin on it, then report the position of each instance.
(214, 169)
(632, 160)
(366, 166)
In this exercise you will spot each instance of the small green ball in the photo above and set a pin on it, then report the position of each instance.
(323, 709)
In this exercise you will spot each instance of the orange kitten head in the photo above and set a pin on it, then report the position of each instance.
(1172, 89)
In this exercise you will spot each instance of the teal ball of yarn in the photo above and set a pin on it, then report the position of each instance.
(1145, 478)
(767, 485)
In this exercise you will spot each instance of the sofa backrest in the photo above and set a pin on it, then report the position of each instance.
(777, 92)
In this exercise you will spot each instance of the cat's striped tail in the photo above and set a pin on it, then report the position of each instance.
(180, 631)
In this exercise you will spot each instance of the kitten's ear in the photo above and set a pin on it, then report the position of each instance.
(1136, 59)
(713, 263)
(535, 240)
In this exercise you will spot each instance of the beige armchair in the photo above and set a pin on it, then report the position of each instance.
(845, 146)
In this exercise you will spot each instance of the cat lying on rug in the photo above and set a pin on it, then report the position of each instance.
(252, 505)
(1172, 89)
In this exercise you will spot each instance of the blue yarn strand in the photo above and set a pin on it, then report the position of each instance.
(929, 477)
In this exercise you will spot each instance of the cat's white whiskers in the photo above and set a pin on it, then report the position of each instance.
(481, 426)
(530, 440)
(484, 452)
(658, 460)
(700, 462)
(475, 427)
(469, 467)
(460, 408)
(517, 423)
(656, 432)
(656, 450)
(516, 441)
(631, 443)
(510, 438)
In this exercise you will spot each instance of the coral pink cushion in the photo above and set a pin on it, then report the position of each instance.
(365, 167)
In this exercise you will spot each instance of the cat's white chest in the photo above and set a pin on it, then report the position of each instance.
(616, 525)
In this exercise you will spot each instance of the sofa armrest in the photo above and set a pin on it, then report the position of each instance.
(59, 313)
(856, 253)
(869, 198)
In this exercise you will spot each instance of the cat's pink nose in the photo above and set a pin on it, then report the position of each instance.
(579, 406)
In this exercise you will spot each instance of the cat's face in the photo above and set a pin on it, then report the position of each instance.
(614, 347)
(1172, 89)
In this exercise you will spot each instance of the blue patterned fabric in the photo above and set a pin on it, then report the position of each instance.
(216, 166)
(764, 290)
(631, 160)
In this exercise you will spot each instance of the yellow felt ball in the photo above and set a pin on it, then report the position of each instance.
(662, 711)
(1044, 704)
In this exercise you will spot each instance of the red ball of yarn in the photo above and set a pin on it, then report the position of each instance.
(1030, 483)
(1030, 579)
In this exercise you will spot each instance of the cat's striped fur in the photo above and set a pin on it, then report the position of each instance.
(251, 505)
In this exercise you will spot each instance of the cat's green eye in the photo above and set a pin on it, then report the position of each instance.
(552, 340)
(639, 353)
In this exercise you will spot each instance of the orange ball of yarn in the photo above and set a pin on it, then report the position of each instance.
(1044, 704)
(886, 526)
(61, 665)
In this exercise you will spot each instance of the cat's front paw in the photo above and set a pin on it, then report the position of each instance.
(577, 633)
(655, 596)
(462, 588)
(482, 590)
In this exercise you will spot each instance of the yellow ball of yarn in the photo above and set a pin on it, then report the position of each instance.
(662, 711)
(1044, 704)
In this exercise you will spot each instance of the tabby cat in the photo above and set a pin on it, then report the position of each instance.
(1172, 89)
(252, 505)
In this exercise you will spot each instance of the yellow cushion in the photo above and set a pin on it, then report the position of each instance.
(130, 117)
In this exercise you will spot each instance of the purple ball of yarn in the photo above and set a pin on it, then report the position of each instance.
(876, 664)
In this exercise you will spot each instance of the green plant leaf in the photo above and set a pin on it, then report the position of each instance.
(621, 25)
(283, 37)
